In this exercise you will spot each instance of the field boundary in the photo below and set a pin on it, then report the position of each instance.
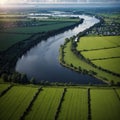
(6, 90)
(31, 103)
(60, 104)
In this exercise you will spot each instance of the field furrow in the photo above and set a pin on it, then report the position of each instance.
(46, 104)
(75, 105)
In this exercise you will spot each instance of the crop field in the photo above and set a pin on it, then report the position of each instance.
(118, 91)
(46, 105)
(109, 64)
(71, 58)
(75, 105)
(104, 51)
(104, 105)
(37, 29)
(101, 54)
(3, 87)
(7, 40)
(11, 35)
(15, 101)
(91, 43)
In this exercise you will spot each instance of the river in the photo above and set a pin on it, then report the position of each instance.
(41, 61)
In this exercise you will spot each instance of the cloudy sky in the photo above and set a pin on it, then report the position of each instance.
(57, 1)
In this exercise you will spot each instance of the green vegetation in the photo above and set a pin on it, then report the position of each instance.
(104, 105)
(109, 64)
(37, 29)
(15, 28)
(3, 87)
(103, 53)
(44, 108)
(91, 43)
(25, 102)
(7, 40)
(15, 101)
(75, 105)
(118, 91)
(72, 61)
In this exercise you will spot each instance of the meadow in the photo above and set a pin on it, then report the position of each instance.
(16, 102)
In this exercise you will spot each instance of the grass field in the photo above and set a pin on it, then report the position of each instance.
(3, 87)
(75, 105)
(103, 53)
(104, 105)
(90, 43)
(71, 58)
(118, 91)
(108, 59)
(46, 105)
(15, 101)
(109, 64)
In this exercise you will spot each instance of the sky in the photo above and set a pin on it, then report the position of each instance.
(56, 1)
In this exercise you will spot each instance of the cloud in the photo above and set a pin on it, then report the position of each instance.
(61, 1)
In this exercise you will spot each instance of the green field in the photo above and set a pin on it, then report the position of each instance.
(102, 53)
(104, 105)
(46, 105)
(37, 29)
(15, 101)
(71, 58)
(94, 49)
(75, 105)
(3, 87)
(118, 91)
(7, 40)
(109, 64)
(12, 35)
(90, 43)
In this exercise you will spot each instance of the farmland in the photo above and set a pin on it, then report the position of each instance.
(104, 102)
(71, 58)
(75, 105)
(46, 104)
(109, 100)
(103, 53)
(15, 28)
(3, 87)
(15, 101)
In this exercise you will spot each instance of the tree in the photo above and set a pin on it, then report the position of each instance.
(32, 81)
(24, 79)
(4, 76)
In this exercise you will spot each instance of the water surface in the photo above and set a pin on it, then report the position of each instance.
(41, 62)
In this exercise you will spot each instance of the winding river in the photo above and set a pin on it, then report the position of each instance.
(41, 61)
